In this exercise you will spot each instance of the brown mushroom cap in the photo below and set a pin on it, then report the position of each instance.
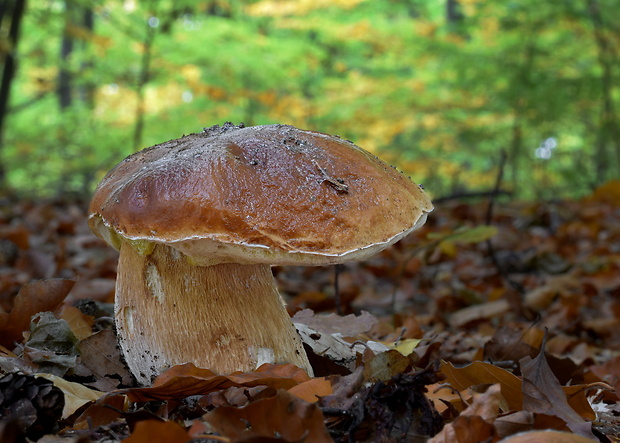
(264, 194)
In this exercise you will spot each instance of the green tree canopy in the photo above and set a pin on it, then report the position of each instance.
(439, 89)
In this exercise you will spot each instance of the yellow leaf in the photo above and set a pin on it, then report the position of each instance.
(76, 395)
(407, 346)
(448, 248)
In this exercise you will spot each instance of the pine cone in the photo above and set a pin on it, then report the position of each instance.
(33, 403)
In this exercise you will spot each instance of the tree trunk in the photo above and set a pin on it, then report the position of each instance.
(608, 145)
(64, 91)
(87, 89)
(143, 79)
(11, 14)
(453, 13)
(76, 16)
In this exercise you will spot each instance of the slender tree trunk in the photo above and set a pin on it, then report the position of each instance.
(143, 79)
(87, 88)
(11, 14)
(74, 87)
(609, 127)
(157, 23)
(453, 13)
(77, 16)
(64, 91)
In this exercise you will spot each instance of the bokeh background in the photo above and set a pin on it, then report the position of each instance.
(444, 89)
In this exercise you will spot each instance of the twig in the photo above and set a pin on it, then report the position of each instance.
(489, 221)
(474, 194)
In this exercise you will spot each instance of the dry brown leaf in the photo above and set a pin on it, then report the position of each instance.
(348, 326)
(185, 380)
(507, 345)
(474, 424)
(466, 429)
(311, 390)
(35, 297)
(286, 415)
(513, 423)
(609, 372)
(100, 354)
(345, 388)
(332, 347)
(543, 394)
(478, 312)
(546, 437)
(541, 297)
(385, 365)
(577, 396)
(80, 324)
(237, 396)
(102, 412)
(149, 431)
(479, 373)
(443, 395)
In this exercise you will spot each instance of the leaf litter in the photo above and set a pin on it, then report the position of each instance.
(442, 338)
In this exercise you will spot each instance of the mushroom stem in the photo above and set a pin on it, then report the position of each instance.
(225, 317)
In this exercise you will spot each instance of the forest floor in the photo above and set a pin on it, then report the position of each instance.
(477, 327)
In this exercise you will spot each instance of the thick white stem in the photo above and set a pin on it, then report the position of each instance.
(226, 317)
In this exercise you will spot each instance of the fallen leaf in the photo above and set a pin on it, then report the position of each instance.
(577, 396)
(507, 345)
(311, 390)
(541, 297)
(482, 311)
(474, 424)
(385, 365)
(465, 235)
(479, 373)
(283, 415)
(38, 296)
(149, 431)
(105, 410)
(514, 423)
(407, 346)
(80, 324)
(348, 326)
(185, 380)
(345, 388)
(100, 354)
(546, 437)
(51, 345)
(443, 397)
(466, 429)
(76, 395)
(236, 396)
(335, 347)
(543, 394)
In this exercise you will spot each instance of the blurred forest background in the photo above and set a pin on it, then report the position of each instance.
(439, 88)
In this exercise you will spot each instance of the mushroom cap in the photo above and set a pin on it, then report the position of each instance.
(264, 194)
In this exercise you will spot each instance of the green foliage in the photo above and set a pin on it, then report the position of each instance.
(437, 97)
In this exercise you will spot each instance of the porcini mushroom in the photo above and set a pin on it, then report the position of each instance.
(199, 221)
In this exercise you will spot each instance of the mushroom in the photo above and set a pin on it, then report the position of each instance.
(200, 220)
